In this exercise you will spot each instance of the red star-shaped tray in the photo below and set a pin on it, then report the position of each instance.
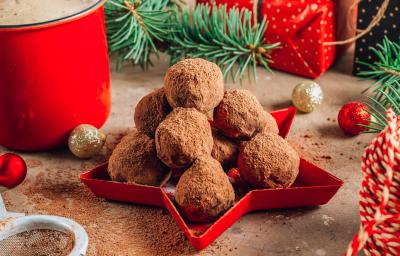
(313, 186)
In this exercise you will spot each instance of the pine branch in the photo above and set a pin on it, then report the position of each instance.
(386, 71)
(134, 28)
(226, 38)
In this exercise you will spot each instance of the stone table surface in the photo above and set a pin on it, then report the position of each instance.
(52, 185)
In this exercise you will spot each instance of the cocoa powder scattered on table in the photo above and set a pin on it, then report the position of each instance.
(310, 146)
(33, 163)
(113, 228)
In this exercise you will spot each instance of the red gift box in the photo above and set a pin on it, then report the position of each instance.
(302, 27)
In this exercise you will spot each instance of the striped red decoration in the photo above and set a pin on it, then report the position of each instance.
(379, 232)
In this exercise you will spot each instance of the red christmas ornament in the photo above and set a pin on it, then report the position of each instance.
(12, 170)
(234, 174)
(351, 115)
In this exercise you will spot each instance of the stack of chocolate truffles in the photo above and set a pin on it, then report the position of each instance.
(193, 125)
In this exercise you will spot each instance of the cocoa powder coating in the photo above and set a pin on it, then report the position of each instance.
(183, 136)
(150, 111)
(225, 150)
(204, 192)
(194, 83)
(270, 124)
(241, 116)
(268, 161)
(134, 160)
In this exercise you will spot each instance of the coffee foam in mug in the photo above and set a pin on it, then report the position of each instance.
(20, 12)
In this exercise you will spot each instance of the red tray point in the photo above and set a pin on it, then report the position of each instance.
(313, 186)
(101, 185)
(284, 118)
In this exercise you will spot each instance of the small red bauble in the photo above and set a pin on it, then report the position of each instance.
(12, 170)
(351, 115)
(234, 174)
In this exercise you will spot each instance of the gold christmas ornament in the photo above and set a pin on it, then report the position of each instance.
(85, 141)
(307, 96)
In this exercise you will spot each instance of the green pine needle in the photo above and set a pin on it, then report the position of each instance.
(386, 71)
(227, 38)
(135, 27)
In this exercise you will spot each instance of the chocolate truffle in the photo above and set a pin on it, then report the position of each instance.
(150, 111)
(194, 83)
(268, 161)
(134, 160)
(225, 150)
(270, 124)
(184, 135)
(241, 116)
(204, 191)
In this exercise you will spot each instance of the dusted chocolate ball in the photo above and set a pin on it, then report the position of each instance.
(241, 116)
(268, 161)
(134, 160)
(270, 124)
(225, 150)
(194, 83)
(150, 111)
(183, 136)
(204, 191)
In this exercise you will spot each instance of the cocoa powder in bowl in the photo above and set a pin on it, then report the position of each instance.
(225, 150)
(134, 160)
(196, 83)
(183, 136)
(268, 161)
(204, 192)
(150, 111)
(241, 116)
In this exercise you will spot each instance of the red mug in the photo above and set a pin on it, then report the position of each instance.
(54, 76)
